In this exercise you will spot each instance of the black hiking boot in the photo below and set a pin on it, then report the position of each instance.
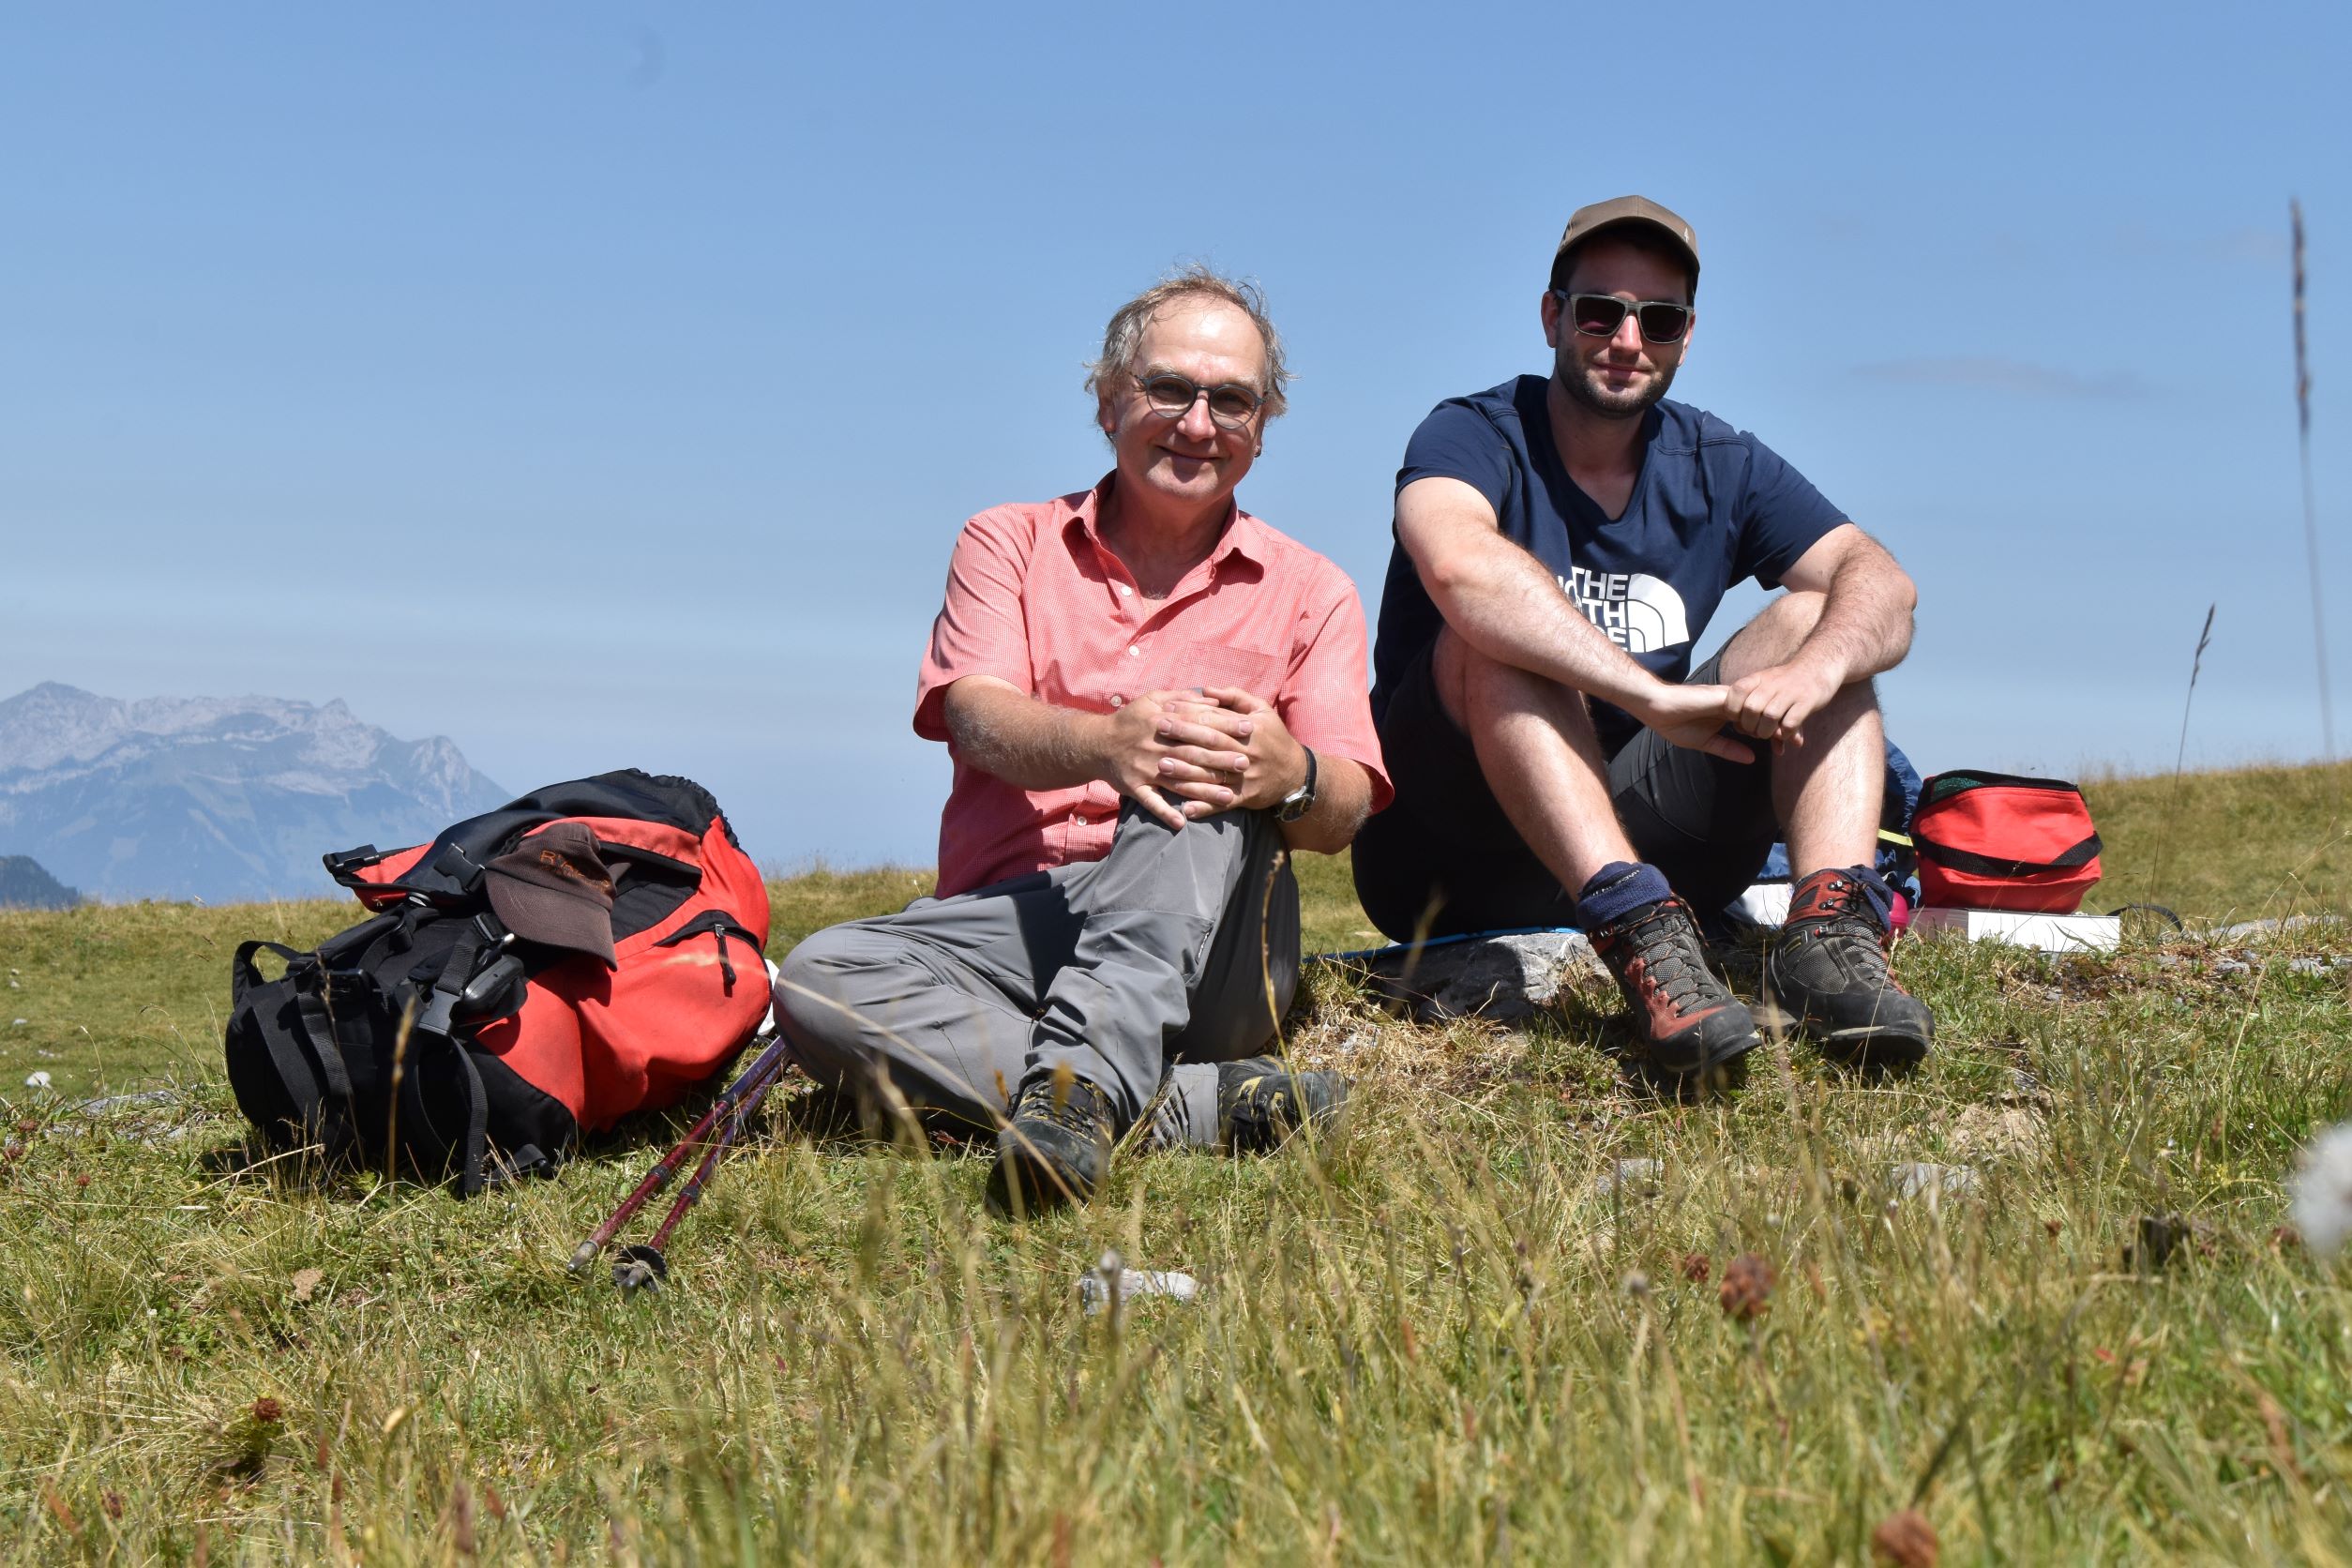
(1826, 971)
(1054, 1151)
(1684, 1015)
(1260, 1103)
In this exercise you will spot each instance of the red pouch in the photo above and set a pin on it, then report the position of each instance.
(1997, 842)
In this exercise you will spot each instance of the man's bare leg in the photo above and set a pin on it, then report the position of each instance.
(1828, 790)
(1827, 967)
(1537, 748)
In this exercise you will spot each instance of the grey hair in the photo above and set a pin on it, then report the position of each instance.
(1123, 339)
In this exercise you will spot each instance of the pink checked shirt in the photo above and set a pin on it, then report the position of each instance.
(1036, 599)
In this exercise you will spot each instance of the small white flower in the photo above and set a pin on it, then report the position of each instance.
(39, 1080)
(2323, 1191)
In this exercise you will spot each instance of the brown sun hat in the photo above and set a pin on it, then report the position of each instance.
(554, 888)
(1620, 211)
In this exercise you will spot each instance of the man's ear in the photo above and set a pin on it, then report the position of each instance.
(1103, 419)
(1549, 308)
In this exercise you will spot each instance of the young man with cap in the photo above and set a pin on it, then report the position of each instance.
(1561, 543)
(1150, 697)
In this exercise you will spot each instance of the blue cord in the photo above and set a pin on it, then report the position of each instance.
(1364, 955)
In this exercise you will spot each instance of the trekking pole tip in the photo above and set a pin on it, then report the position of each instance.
(583, 1255)
(640, 1268)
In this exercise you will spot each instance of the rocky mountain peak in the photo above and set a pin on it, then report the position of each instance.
(214, 797)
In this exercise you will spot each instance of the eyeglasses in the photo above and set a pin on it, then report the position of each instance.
(1171, 397)
(1599, 315)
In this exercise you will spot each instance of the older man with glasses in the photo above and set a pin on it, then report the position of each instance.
(1561, 542)
(1150, 697)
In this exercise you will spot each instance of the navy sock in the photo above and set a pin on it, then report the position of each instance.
(1874, 888)
(1617, 890)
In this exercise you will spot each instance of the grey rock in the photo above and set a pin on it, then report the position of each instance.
(1494, 977)
(1913, 1179)
(116, 1102)
(2232, 966)
(1638, 1178)
(1111, 1282)
(2264, 927)
(2307, 966)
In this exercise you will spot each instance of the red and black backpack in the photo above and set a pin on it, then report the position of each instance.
(2002, 841)
(432, 1033)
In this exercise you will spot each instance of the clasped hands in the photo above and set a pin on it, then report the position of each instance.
(1770, 704)
(1187, 754)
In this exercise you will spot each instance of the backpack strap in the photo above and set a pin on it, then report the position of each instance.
(1986, 866)
(448, 988)
(319, 1085)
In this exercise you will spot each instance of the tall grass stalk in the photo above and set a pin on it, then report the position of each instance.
(2311, 510)
(2180, 753)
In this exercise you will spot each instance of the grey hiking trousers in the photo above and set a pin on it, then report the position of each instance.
(1142, 971)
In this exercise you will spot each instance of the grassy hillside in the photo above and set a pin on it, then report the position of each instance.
(1448, 1333)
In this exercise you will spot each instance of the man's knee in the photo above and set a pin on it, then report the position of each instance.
(1774, 636)
(1153, 866)
(1479, 693)
(818, 1004)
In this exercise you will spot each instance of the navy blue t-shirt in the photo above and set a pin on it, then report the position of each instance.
(1713, 506)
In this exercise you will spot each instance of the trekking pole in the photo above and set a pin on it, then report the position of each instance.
(754, 1076)
(641, 1265)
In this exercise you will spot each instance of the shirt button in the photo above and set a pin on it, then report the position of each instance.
(1124, 590)
(1134, 650)
(1117, 701)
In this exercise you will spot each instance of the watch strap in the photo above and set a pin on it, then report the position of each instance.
(1299, 802)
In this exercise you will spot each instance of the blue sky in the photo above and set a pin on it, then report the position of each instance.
(604, 385)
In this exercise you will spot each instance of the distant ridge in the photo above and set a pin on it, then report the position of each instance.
(218, 799)
(23, 886)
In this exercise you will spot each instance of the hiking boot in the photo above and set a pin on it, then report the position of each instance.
(1260, 1103)
(1684, 1015)
(1054, 1149)
(1827, 970)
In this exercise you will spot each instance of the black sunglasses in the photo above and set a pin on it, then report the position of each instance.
(1599, 315)
(1171, 397)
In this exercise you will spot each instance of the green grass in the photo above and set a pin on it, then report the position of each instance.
(1433, 1337)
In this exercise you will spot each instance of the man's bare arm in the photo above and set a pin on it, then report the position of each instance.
(1506, 604)
(1033, 745)
(1866, 627)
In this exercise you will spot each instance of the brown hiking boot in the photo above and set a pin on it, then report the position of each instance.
(1053, 1150)
(1827, 970)
(1689, 1021)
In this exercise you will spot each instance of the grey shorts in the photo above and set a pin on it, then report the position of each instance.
(1443, 858)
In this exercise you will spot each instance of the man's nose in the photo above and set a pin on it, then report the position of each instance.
(1195, 422)
(1628, 333)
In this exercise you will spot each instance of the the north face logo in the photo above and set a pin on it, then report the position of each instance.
(1642, 614)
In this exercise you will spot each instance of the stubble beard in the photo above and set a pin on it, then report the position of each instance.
(1582, 381)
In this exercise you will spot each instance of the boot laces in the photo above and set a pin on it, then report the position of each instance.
(1663, 941)
(1840, 921)
(1060, 1105)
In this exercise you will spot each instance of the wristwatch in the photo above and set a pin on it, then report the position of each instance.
(1299, 802)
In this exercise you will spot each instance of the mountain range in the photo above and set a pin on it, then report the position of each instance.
(23, 886)
(217, 799)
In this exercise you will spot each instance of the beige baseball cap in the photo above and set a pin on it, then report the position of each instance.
(1621, 210)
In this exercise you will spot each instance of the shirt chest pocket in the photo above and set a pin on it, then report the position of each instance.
(1175, 664)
